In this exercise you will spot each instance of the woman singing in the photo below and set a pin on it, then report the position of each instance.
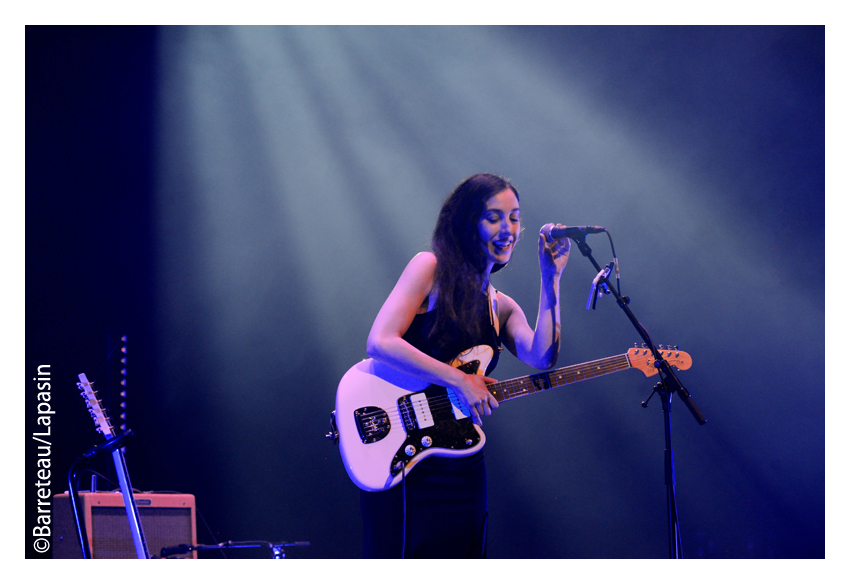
(442, 305)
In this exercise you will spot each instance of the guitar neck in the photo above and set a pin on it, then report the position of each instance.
(513, 388)
(104, 426)
(130, 505)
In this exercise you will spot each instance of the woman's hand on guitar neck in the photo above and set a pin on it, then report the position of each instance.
(473, 393)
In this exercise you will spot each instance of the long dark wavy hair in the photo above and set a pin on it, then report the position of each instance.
(461, 259)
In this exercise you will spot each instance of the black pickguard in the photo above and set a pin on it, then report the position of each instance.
(447, 432)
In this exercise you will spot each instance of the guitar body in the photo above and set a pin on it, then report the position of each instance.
(389, 421)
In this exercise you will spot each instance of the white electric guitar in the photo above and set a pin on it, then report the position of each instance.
(104, 426)
(388, 421)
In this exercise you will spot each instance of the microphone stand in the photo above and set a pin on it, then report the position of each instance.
(665, 389)
(276, 548)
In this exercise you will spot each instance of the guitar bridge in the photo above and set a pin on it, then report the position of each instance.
(372, 423)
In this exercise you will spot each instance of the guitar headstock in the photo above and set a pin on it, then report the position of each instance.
(644, 360)
(98, 414)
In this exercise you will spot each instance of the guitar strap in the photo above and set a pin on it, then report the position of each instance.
(493, 303)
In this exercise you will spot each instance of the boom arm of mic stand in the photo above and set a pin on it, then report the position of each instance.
(680, 390)
(662, 365)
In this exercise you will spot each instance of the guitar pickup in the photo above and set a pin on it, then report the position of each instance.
(422, 410)
(416, 411)
(458, 409)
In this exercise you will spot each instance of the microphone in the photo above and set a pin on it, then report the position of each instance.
(552, 233)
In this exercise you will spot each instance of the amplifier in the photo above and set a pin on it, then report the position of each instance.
(167, 521)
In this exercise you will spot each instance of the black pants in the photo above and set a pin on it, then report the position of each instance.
(446, 513)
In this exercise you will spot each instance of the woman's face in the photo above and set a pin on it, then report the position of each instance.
(498, 227)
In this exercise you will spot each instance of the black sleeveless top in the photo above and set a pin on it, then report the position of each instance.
(417, 333)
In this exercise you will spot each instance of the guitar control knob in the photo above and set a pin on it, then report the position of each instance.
(410, 450)
(426, 441)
